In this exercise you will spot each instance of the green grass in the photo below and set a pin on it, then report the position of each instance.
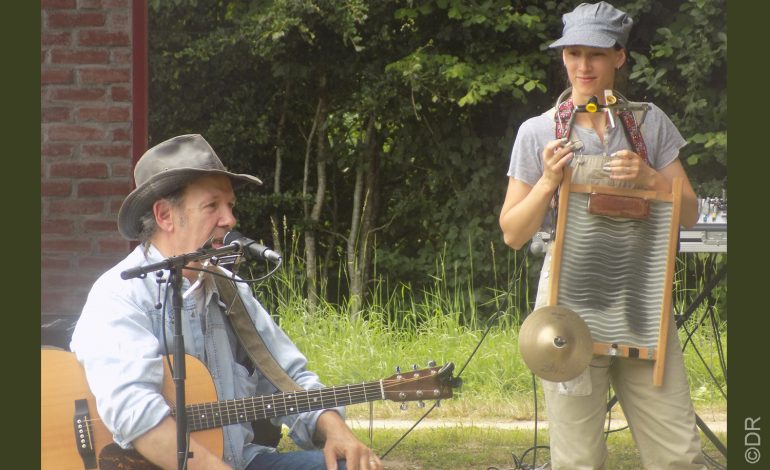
(496, 383)
(402, 327)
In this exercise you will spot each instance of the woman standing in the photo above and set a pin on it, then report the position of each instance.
(662, 419)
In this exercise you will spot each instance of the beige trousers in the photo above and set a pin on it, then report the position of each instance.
(661, 419)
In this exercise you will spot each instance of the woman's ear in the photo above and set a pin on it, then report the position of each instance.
(620, 59)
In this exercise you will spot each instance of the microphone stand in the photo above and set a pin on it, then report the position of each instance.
(175, 264)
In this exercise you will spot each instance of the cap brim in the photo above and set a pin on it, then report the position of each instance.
(584, 38)
(141, 199)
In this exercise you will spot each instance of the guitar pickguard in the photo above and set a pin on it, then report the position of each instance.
(114, 457)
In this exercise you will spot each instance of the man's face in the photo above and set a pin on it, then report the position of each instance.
(206, 211)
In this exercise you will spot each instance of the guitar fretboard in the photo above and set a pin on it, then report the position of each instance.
(221, 413)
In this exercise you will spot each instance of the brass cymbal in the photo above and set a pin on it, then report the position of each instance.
(555, 343)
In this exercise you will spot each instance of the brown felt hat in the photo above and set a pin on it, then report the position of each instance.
(165, 168)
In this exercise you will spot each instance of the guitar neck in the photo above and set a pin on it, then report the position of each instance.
(221, 413)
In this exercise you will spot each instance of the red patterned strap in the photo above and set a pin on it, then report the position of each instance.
(633, 134)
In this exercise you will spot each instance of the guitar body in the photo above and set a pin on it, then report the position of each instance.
(72, 436)
(63, 383)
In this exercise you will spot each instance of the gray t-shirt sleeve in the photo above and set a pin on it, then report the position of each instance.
(661, 137)
(527, 154)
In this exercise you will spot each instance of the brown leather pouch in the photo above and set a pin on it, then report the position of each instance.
(618, 206)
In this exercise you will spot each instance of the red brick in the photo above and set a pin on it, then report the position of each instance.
(75, 206)
(54, 4)
(55, 188)
(115, 3)
(119, 169)
(55, 114)
(105, 75)
(55, 263)
(119, 20)
(56, 227)
(78, 170)
(111, 114)
(102, 263)
(68, 279)
(78, 94)
(89, 4)
(56, 39)
(121, 135)
(120, 93)
(103, 188)
(55, 76)
(106, 150)
(113, 246)
(101, 226)
(57, 150)
(120, 56)
(100, 37)
(66, 245)
(115, 206)
(72, 20)
(72, 132)
(79, 56)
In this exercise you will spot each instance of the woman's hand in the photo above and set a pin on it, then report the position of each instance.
(556, 155)
(629, 166)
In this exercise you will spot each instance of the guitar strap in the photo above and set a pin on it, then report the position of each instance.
(249, 337)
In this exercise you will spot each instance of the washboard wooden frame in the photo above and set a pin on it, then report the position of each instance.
(573, 244)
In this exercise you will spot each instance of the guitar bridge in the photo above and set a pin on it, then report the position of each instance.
(83, 436)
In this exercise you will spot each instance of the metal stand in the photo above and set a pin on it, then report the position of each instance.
(703, 295)
(175, 264)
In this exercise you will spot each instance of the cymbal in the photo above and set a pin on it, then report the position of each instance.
(555, 343)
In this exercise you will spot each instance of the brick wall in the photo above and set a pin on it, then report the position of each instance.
(86, 144)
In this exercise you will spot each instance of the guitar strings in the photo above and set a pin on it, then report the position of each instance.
(214, 414)
(341, 395)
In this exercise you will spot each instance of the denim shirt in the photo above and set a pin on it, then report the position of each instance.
(119, 340)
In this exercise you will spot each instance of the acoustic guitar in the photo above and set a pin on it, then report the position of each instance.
(74, 438)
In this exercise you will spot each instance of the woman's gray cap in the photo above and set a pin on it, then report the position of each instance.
(595, 25)
(166, 168)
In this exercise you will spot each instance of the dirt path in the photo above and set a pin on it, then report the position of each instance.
(715, 423)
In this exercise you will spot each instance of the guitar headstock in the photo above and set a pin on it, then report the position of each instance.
(432, 383)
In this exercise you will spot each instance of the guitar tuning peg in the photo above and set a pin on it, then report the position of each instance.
(403, 406)
(421, 404)
(431, 363)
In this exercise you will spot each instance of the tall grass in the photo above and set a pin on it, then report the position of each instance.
(404, 326)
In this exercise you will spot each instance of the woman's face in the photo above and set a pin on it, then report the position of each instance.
(591, 70)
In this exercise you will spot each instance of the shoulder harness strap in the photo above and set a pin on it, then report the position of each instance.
(249, 337)
(564, 116)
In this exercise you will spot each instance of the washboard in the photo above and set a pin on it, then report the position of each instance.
(616, 272)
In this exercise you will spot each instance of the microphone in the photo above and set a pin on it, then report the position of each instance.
(251, 249)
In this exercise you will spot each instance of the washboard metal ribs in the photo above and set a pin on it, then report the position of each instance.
(617, 272)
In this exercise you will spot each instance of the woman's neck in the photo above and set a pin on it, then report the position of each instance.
(579, 99)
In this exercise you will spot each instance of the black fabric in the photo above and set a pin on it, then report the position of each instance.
(266, 433)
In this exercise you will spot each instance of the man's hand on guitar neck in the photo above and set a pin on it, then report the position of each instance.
(158, 445)
(340, 442)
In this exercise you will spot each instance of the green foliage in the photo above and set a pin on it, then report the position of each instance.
(685, 73)
(408, 324)
(446, 83)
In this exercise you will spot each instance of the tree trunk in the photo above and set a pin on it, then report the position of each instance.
(361, 222)
(310, 240)
(275, 219)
